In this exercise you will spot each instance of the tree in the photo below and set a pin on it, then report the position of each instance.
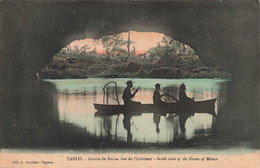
(128, 44)
(113, 43)
(169, 48)
(106, 42)
(166, 41)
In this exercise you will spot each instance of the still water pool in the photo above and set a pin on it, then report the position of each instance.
(76, 98)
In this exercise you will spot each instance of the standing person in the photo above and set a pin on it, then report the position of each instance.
(127, 95)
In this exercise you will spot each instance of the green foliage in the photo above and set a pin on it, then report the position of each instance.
(169, 59)
(79, 54)
(189, 62)
(113, 43)
(121, 57)
(169, 48)
(191, 51)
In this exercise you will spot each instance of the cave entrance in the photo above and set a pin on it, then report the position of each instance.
(129, 54)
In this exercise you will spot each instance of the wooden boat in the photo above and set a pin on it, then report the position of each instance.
(207, 106)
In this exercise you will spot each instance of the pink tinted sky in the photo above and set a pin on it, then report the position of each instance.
(142, 41)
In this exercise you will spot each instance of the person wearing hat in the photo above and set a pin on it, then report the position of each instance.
(127, 95)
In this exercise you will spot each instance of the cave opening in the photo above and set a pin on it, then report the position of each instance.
(129, 54)
(222, 32)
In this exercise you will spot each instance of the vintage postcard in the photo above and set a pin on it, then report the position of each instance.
(149, 83)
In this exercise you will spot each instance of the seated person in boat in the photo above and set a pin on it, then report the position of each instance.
(127, 95)
(185, 113)
(182, 94)
(156, 95)
(157, 101)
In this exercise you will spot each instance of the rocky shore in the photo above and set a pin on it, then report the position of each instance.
(183, 67)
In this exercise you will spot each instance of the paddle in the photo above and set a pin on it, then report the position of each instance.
(170, 96)
(136, 90)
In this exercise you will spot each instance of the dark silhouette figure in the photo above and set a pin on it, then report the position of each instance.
(127, 126)
(182, 94)
(156, 95)
(127, 95)
(158, 102)
(184, 101)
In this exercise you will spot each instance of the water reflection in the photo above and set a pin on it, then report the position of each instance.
(61, 113)
(127, 126)
(79, 109)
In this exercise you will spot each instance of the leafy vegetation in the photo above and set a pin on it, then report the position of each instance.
(169, 59)
(169, 48)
